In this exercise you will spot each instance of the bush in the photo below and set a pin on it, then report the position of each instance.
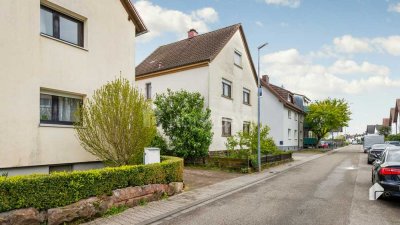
(393, 137)
(160, 142)
(185, 122)
(244, 144)
(118, 123)
(63, 188)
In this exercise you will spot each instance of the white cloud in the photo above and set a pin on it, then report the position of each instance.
(349, 44)
(161, 20)
(394, 7)
(288, 3)
(207, 14)
(300, 74)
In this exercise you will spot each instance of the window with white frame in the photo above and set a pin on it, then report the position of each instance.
(226, 127)
(289, 114)
(289, 134)
(238, 58)
(59, 109)
(246, 127)
(226, 88)
(246, 96)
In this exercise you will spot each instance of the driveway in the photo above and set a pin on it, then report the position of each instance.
(329, 190)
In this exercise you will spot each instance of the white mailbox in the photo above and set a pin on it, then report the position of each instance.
(151, 155)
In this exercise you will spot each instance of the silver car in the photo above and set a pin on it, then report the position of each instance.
(376, 151)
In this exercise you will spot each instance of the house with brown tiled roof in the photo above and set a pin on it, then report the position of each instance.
(283, 111)
(386, 122)
(392, 122)
(216, 64)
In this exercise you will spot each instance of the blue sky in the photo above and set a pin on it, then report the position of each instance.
(322, 48)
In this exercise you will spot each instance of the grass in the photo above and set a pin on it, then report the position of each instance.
(115, 210)
(142, 202)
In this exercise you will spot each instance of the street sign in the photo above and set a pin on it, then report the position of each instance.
(375, 191)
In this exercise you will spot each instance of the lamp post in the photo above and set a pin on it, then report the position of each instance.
(259, 108)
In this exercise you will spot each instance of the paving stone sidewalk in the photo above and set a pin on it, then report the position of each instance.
(155, 211)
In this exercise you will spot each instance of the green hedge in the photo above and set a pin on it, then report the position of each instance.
(64, 188)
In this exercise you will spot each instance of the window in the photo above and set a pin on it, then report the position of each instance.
(226, 88)
(289, 114)
(60, 168)
(238, 58)
(226, 127)
(295, 134)
(289, 133)
(295, 116)
(58, 109)
(148, 90)
(61, 26)
(246, 96)
(246, 127)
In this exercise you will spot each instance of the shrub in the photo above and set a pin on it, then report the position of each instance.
(62, 188)
(185, 122)
(244, 144)
(393, 137)
(118, 122)
(160, 142)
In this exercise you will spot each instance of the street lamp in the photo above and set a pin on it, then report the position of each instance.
(259, 108)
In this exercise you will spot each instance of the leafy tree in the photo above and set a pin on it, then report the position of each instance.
(185, 122)
(327, 115)
(118, 122)
(385, 131)
(160, 142)
(244, 144)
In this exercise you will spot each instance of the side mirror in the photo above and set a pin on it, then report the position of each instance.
(377, 161)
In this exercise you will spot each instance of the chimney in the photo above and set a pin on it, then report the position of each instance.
(192, 33)
(265, 78)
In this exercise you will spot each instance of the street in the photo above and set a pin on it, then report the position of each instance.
(329, 190)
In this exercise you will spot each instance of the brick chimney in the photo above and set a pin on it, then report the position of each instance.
(265, 78)
(192, 33)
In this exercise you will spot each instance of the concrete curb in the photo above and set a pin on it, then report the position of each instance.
(233, 190)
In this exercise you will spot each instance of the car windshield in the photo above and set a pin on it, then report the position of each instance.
(396, 143)
(379, 146)
(393, 156)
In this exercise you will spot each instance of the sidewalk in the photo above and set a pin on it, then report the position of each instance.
(155, 211)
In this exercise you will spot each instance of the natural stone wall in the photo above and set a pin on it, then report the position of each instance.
(91, 207)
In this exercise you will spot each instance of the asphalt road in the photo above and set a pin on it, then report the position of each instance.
(330, 190)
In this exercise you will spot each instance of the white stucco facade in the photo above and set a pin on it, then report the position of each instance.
(207, 80)
(286, 131)
(32, 62)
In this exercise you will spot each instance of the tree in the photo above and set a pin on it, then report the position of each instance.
(117, 123)
(385, 131)
(246, 143)
(327, 115)
(185, 122)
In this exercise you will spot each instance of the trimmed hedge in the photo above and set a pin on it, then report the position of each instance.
(64, 188)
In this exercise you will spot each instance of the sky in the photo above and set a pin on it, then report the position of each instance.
(321, 48)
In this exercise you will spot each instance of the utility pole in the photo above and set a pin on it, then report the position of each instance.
(259, 92)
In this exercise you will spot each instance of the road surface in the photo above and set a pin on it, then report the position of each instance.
(330, 190)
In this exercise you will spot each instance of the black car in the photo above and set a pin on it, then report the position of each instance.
(375, 152)
(386, 171)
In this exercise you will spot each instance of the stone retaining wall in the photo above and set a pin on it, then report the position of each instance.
(92, 207)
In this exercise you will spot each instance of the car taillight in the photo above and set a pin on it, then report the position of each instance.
(389, 171)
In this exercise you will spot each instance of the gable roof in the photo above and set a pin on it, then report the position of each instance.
(385, 122)
(282, 95)
(198, 50)
(396, 110)
(135, 17)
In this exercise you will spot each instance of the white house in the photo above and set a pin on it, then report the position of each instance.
(392, 123)
(284, 116)
(54, 54)
(215, 64)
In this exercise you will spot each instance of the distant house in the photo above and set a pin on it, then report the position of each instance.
(386, 122)
(373, 129)
(392, 122)
(396, 116)
(283, 112)
(54, 54)
(216, 64)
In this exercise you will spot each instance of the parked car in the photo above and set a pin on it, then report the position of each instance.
(386, 171)
(323, 144)
(372, 139)
(376, 151)
(395, 143)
